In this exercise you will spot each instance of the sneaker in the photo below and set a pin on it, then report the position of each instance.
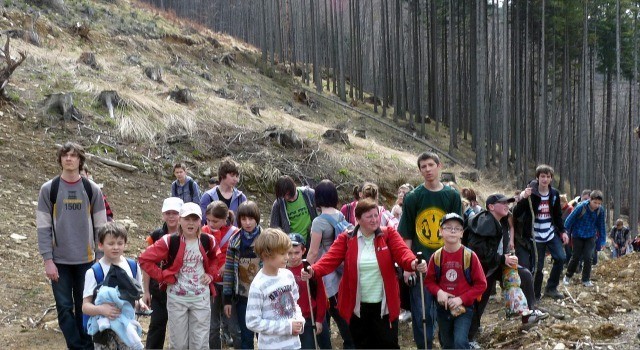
(587, 284)
(566, 280)
(474, 345)
(554, 294)
(405, 316)
(534, 317)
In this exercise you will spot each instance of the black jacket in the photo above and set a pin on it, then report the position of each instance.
(484, 233)
(522, 211)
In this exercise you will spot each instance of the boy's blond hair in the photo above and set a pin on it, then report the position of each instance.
(272, 241)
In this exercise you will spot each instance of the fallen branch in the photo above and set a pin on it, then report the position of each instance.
(598, 344)
(113, 163)
(49, 309)
(570, 297)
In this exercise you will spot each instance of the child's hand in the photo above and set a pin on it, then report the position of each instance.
(296, 327)
(453, 303)
(146, 298)
(227, 311)
(318, 327)
(109, 311)
(443, 298)
(141, 305)
(205, 279)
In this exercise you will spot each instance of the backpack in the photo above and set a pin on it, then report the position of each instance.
(174, 187)
(338, 226)
(349, 217)
(99, 275)
(584, 210)
(53, 198)
(466, 263)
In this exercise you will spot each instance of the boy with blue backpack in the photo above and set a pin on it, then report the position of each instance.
(112, 290)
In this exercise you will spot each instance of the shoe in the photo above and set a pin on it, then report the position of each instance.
(534, 317)
(404, 316)
(566, 280)
(587, 284)
(474, 345)
(554, 294)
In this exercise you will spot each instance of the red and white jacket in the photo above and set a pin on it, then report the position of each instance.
(159, 252)
(390, 249)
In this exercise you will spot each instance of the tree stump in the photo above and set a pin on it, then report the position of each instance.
(154, 73)
(62, 104)
(361, 133)
(471, 176)
(11, 66)
(285, 138)
(89, 58)
(214, 42)
(26, 35)
(255, 110)
(228, 59)
(336, 136)
(109, 99)
(182, 96)
(447, 177)
(82, 30)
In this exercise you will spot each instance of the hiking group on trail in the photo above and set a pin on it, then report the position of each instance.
(216, 277)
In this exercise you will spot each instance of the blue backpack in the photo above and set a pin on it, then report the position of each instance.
(338, 226)
(99, 274)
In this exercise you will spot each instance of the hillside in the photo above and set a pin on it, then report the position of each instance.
(151, 131)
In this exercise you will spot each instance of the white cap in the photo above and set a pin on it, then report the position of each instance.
(190, 209)
(172, 203)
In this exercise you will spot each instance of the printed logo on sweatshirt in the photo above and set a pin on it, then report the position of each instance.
(72, 202)
(282, 302)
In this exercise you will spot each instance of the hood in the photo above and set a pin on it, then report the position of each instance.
(484, 224)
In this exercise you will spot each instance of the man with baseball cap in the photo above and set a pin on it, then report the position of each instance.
(153, 295)
(486, 233)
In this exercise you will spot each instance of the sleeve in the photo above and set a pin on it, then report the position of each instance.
(430, 278)
(399, 251)
(213, 256)
(557, 214)
(256, 323)
(479, 282)
(205, 199)
(196, 192)
(332, 258)
(274, 219)
(611, 233)
(90, 283)
(138, 276)
(520, 208)
(44, 225)
(99, 216)
(295, 292)
(228, 275)
(456, 203)
(601, 228)
(174, 189)
(568, 223)
(153, 255)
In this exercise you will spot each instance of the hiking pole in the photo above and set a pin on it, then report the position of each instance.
(307, 267)
(424, 319)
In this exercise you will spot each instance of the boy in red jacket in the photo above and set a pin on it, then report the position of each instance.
(455, 277)
(318, 298)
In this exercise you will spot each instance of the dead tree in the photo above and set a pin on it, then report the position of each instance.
(11, 66)
(62, 104)
(109, 99)
(181, 95)
(89, 58)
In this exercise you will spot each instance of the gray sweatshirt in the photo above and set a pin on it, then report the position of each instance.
(75, 240)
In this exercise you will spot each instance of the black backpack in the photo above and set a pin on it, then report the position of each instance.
(174, 245)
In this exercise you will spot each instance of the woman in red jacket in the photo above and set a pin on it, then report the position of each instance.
(368, 296)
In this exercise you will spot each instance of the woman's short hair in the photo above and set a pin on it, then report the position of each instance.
(364, 205)
(326, 194)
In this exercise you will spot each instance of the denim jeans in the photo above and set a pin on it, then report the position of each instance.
(324, 338)
(557, 253)
(67, 292)
(218, 319)
(582, 249)
(454, 331)
(246, 336)
(343, 326)
(416, 316)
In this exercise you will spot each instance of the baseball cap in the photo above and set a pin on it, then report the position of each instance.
(499, 198)
(296, 239)
(172, 203)
(451, 216)
(190, 209)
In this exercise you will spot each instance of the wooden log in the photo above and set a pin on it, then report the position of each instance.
(107, 161)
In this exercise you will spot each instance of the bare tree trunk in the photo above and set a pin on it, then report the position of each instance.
(617, 130)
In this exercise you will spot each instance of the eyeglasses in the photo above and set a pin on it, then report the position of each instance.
(452, 229)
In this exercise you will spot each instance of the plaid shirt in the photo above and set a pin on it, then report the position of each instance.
(589, 225)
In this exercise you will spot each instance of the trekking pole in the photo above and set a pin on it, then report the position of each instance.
(424, 319)
(307, 267)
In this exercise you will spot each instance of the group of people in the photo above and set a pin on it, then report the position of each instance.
(214, 275)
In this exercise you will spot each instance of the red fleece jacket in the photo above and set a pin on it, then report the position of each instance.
(159, 251)
(390, 249)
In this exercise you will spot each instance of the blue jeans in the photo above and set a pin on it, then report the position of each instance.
(416, 316)
(454, 331)
(67, 292)
(557, 253)
(324, 338)
(246, 336)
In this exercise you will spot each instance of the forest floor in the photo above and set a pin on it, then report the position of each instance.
(151, 132)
